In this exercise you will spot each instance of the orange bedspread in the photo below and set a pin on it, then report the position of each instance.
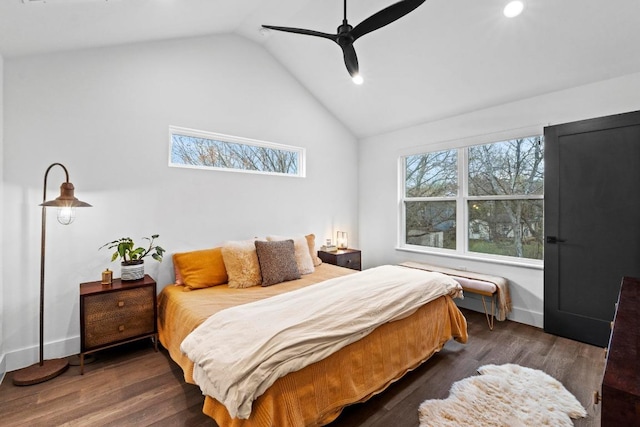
(316, 394)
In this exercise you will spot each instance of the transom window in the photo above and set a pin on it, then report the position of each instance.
(206, 150)
(485, 200)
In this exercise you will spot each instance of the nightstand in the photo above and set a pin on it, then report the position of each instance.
(349, 258)
(115, 314)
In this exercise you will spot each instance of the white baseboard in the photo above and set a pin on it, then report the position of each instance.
(517, 314)
(527, 317)
(22, 358)
(3, 367)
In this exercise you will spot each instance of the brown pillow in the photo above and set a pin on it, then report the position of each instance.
(301, 247)
(277, 261)
(200, 269)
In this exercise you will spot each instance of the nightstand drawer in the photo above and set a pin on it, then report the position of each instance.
(117, 329)
(351, 260)
(131, 302)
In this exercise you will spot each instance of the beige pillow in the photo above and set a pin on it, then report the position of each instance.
(277, 261)
(303, 258)
(311, 242)
(241, 261)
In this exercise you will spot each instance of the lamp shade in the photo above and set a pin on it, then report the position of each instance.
(66, 199)
(342, 240)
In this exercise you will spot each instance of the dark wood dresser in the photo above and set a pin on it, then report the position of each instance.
(621, 381)
(115, 314)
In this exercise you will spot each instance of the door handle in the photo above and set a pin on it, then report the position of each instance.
(554, 240)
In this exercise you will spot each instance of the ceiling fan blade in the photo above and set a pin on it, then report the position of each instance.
(303, 31)
(385, 17)
(350, 59)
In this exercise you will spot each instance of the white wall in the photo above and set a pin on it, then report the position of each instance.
(3, 364)
(378, 174)
(105, 114)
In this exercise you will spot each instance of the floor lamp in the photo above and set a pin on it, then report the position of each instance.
(66, 202)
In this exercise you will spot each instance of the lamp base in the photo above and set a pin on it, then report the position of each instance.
(37, 373)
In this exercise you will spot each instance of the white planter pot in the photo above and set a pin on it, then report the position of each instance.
(132, 271)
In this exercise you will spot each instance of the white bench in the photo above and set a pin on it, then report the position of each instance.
(477, 283)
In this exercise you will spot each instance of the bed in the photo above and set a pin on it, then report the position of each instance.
(316, 394)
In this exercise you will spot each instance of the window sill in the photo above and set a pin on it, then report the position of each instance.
(532, 264)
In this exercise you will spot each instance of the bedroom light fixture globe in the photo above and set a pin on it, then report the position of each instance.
(66, 215)
(357, 79)
(513, 9)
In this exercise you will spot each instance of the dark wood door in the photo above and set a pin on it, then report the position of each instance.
(592, 223)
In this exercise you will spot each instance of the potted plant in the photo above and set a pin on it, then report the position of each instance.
(132, 257)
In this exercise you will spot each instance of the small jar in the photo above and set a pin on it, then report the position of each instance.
(107, 277)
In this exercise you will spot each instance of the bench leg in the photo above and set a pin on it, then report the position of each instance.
(491, 318)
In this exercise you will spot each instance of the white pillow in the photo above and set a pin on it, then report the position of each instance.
(303, 257)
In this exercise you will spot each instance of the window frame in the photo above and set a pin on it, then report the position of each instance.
(219, 137)
(462, 200)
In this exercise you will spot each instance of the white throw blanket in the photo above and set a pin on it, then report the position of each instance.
(241, 351)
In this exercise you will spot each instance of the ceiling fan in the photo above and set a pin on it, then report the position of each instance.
(347, 34)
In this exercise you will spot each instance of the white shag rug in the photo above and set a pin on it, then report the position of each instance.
(503, 395)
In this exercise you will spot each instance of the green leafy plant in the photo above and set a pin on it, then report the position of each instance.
(127, 252)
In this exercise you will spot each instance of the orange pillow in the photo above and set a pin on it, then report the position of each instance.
(200, 269)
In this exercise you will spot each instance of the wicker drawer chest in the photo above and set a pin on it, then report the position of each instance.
(115, 314)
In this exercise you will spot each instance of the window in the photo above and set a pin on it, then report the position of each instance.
(485, 199)
(431, 189)
(206, 150)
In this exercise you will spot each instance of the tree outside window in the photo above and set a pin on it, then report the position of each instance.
(502, 201)
(204, 150)
(431, 188)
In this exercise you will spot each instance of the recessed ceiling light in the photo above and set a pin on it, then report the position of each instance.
(513, 9)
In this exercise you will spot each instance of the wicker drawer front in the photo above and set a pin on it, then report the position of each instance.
(116, 316)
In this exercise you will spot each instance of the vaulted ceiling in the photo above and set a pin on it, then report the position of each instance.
(446, 58)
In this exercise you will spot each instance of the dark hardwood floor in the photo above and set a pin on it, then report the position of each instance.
(134, 386)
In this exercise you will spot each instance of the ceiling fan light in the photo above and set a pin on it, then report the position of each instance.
(357, 79)
(513, 9)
